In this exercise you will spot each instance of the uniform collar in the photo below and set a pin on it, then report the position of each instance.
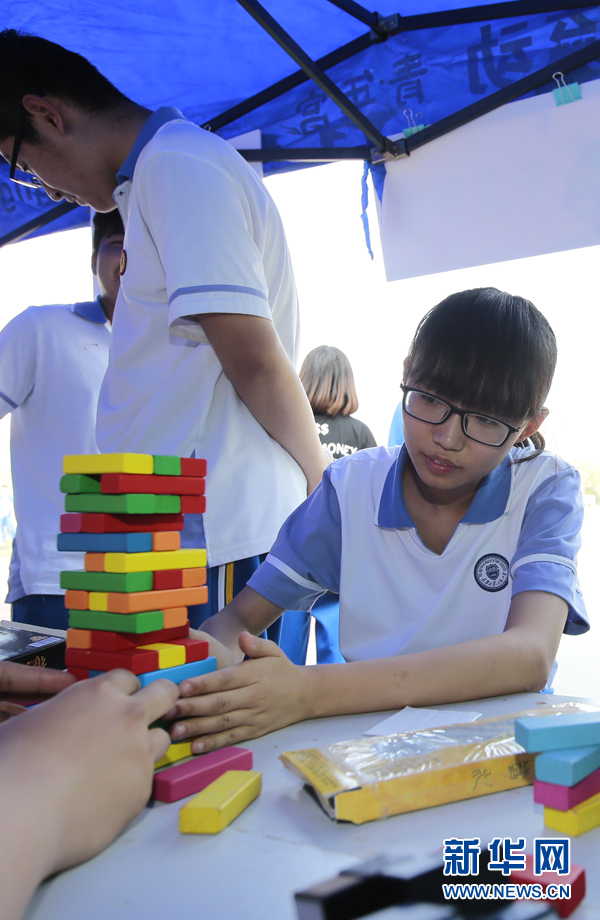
(91, 310)
(159, 118)
(489, 503)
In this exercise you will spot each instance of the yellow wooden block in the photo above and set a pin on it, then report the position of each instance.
(217, 805)
(108, 463)
(98, 600)
(154, 562)
(576, 821)
(174, 753)
(169, 656)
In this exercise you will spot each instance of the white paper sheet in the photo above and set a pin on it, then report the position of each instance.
(410, 719)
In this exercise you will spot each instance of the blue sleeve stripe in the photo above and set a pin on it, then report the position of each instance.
(12, 404)
(286, 570)
(217, 288)
(544, 557)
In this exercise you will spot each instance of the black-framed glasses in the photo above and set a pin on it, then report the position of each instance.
(481, 428)
(18, 175)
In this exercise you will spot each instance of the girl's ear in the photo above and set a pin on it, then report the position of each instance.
(533, 424)
(406, 365)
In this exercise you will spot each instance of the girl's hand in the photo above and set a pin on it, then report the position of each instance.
(225, 658)
(241, 702)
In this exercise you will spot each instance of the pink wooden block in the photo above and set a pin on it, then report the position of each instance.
(566, 797)
(175, 783)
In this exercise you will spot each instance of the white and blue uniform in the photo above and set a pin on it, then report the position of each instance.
(354, 536)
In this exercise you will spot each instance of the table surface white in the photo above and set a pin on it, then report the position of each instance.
(284, 843)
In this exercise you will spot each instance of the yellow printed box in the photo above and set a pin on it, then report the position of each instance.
(375, 777)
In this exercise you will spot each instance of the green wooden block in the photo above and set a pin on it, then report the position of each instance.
(124, 504)
(107, 581)
(79, 482)
(146, 622)
(167, 466)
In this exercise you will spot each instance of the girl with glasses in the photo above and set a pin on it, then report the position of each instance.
(454, 555)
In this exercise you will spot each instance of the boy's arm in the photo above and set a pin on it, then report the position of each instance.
(269, 692)
(247, 612)
(256, 364)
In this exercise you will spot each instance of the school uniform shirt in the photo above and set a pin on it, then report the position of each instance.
(52, 361)
(202, 236)
(343, 435)
(354, 536)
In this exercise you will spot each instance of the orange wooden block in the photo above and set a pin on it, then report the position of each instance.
(165, 541)
(93, 562)
(174, 616)
(77, 600)
(138, 601)
(79, 638)
(193, 578)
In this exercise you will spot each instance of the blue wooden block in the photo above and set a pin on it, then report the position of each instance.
(179, 673)
(104, 542)
(557, 732)
(567, 768)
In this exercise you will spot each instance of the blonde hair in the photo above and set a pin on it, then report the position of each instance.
(327, 377)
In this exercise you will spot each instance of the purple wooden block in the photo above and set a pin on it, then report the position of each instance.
(176, 782)
(566, 797)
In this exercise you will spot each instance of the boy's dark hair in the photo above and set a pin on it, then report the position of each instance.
(327, 377)
(30, 64)
(489, 351)
(109, 224)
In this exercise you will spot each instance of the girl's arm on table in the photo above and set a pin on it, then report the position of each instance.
(268, 691)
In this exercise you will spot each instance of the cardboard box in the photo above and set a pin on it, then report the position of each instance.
(27, 646)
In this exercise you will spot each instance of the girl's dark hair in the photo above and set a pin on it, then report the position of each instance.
(30, 64)
(329, 382)
(489, 351)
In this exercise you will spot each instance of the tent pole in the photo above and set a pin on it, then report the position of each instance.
(15, 235)
(306, 154)
(321, 79)
(359, 12)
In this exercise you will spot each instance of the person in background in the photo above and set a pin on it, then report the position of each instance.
(52, 363)
(327, 377)
(7, 527)
(396, 435)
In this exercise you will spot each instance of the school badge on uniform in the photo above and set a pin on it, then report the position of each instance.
(123, 264)
(491, 572)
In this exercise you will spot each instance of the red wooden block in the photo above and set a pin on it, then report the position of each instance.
(195, 650)
(117, 483)
(79, 673)
(193, 466)
(167, 579)
(88, 522)
(176, 782)
(575, 878)
(193, 504)
(114, 641)
(136, 660)
(566, 797)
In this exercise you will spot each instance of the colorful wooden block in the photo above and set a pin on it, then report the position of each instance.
(557, 732)
(94, 562)
(136, 660)
(174, 753)
(79, 638)
(106, 641)
(108, 463)
(114, 523)
(164, 542)
(77, 600)
(168, 579)
(79, 673)
(174, 617)
(124, 504)
(195, 649)
(78, 482)
(109, 542)
(182, 672)
(118, 483)
(565, 797)
(193, 504)
(166, 466)
(98, 600)
(193, 578)
(152, 562)
(567, 768)
(193, 466)
(139, 623)
(175, 783)
(135, 602)
(109, 581)
(169, 656)
(576, 820)
(220, 803)
(575, 878)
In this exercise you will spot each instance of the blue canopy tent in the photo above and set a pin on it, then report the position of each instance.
(321, 79)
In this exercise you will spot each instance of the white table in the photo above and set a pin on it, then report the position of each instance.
(284, 843)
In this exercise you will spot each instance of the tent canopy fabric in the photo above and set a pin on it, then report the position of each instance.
(412, 62)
